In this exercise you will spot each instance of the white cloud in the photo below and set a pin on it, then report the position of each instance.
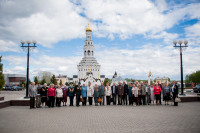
(193, 34)
(9, 46)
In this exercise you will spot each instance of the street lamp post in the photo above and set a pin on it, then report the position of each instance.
(180, 45)
(28, 46)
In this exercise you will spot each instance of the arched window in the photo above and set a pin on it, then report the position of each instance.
(88, 52)
(88, 42)
(92, 53)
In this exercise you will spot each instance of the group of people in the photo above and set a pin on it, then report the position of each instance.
(135, 94)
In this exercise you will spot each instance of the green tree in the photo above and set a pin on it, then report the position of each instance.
(60, 82)
(2, 80)
(53, 80)
(106, 80)
(43, 81)
(193, 77)
(36, 80)
(67, 84)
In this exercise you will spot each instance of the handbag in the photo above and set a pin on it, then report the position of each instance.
(82, 100)
(177, 100)
(99, 100)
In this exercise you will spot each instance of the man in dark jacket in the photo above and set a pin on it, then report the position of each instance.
(77, 91)
(125, 93)
(120, 93)
(114, 93)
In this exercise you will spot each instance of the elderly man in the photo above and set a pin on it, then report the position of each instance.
(32, 94)
(114, 93)
(120, 93)
(143, 97)
(102, 93)
(125, 93)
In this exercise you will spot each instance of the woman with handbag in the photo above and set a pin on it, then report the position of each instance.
(96, 94)
(108, 93)
(175, 95)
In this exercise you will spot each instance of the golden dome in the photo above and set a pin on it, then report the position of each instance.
(88, 28)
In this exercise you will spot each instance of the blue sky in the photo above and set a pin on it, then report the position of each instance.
(131, 37)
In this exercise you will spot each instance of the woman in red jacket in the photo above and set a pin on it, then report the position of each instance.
(51, 94)
(157, 91)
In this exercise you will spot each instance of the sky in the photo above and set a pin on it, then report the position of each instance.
(131, 37)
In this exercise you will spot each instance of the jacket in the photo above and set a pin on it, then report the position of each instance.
(130, 92)
(51, 92)
(102, 90)
(96, 92)
(115, 91)
(84, 91)
(71, 91)
(32, 90)
(126, 89)
(157, 90)
(120, 90)
(135, 91)
(77, 90)
(143, 88)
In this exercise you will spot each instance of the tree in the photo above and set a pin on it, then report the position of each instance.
(106, 80)
(2, 80)
(193, 77)
(53, 80)
(45, 75)
(60, 82)
(67, 84)
(36, 80)
(42, 81)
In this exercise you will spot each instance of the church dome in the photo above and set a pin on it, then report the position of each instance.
(88, 28)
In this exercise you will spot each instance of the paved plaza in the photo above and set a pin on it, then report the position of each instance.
(102, 119)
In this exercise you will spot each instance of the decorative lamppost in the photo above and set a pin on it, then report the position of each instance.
(180, 44)
(27, 47)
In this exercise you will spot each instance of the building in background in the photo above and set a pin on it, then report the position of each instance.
(62, 78)
(162, 80)
(14, 79)
(116, 79)
(89, 68)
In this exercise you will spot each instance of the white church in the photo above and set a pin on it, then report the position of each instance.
(89, 68)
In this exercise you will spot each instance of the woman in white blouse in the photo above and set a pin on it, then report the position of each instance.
(108, 93)
(90, 92)
(135, 94)
(59, 95)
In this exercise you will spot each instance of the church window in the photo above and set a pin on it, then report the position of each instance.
(88, 42)
(88, 52)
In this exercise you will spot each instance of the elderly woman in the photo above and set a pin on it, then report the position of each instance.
(90, 92)
(43, 93)
(65, 93)
(135, 94)
(139, 95)
(152, 96)
(96, 94)
(130, 96)
(157, 91)
(51, 94)
(108, 93)
(84, 94)
(166, 93)
(59, 95)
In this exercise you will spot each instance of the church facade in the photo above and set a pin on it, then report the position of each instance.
(89, 68)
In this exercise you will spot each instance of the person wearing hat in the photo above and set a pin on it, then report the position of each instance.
(78, 93)
(71, 94)
(84, 94)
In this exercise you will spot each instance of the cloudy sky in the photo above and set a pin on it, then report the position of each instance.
(131, 37)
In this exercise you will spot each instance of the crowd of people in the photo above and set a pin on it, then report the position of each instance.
(134, 94)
